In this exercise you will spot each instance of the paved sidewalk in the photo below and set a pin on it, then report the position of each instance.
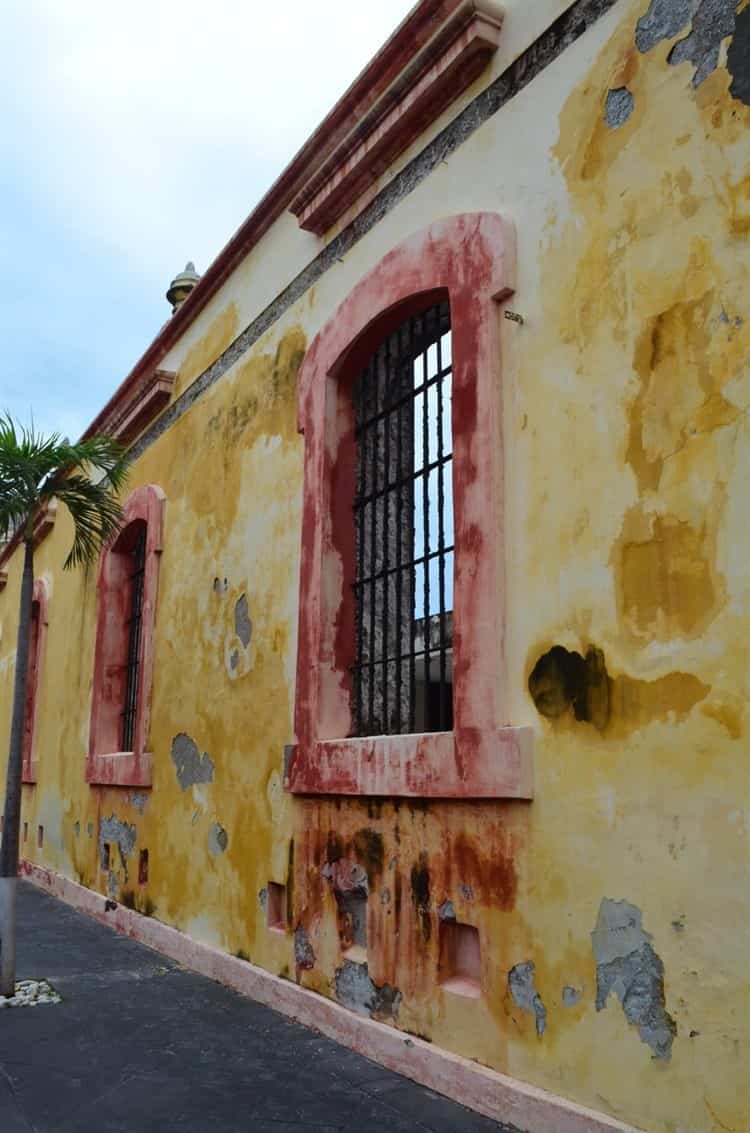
(139, 1045)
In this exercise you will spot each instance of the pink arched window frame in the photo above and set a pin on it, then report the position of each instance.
(30, 762)
(105, 764)
(470, 260)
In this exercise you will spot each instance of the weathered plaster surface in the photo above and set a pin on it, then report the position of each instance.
(626, 396)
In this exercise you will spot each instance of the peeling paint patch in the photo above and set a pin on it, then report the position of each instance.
(663, 20)
(139, 801)
(523, 990)
(447, 912)
(263, 899)
(618, 107)
(115, 832)
(356, 991)
(713, 22)
(738, 60)
(304, 957)
(90, 829)
(218, 840)
(191, 767)
(77, 828)
(242, 625)
(571, 996)
(628, 966)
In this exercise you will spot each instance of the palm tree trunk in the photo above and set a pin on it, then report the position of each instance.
(11, 825)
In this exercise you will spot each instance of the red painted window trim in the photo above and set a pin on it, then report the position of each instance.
(469, 259)
(30, 763)
(127, 768)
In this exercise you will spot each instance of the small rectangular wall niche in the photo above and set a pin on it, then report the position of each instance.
(276, 908)
(40, 836)
(25, 831)
(460, 959)
(105, 855)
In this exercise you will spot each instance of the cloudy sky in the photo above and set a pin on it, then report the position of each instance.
(135, 137)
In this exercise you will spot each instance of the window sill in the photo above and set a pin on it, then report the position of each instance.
(465, 764)
(120, 769)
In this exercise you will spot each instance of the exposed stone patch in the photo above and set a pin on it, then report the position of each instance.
(627, 966)
(243, 627)
(663, 20)
(466, 892)
(263, 899)
(738, 64)
(355, 990)
(713, 21)
(218, 840)
(447, 912)
(571, 996)
(139, 801)
(191, 767)
(618, 107)
(304, 957)
(523, 990)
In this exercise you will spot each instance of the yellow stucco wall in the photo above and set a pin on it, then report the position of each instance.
(626, 396)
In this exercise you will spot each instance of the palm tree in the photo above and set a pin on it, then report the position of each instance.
(33, 470)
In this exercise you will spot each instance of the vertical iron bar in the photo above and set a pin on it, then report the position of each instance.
(387, 533)
(412, 604)
(360, 412)
(441, 529)
(372, 584)
(426, 524)
(399, 377)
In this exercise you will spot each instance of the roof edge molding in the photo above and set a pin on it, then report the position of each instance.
(136, 407)
(388, 71)
(437, 74)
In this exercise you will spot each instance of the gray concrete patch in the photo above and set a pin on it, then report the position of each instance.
(114, 832)
(571, 996)
(191, 767)
(523, 990)
(663, 20)
(218, 840)
(618, 107)
(356, 991)
(243, 627)
(628, 967)
(713, 22)
(304, 956)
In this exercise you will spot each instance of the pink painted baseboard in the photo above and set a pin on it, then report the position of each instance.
(486, 1091)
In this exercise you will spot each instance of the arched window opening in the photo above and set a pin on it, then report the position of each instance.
(121, 692)
(403, 515)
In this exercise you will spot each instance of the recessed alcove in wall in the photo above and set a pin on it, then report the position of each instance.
(276, 907)
(460, 959)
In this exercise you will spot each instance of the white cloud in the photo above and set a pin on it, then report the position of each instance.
(150, 129)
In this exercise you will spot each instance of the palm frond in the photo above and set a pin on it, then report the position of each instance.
(96, 515)
(35, 468)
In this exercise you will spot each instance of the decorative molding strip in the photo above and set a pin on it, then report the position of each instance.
(486, 1091)
(541, 53)
(134, 407)
(43, 524)
(445, 67)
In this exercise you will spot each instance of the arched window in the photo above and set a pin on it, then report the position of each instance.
(401, 683)
(30, 763)
(126, 606)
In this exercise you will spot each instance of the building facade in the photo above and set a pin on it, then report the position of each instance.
(417, 678)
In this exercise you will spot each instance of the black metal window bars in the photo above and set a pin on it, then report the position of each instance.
(135, 622)
(403, 516)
